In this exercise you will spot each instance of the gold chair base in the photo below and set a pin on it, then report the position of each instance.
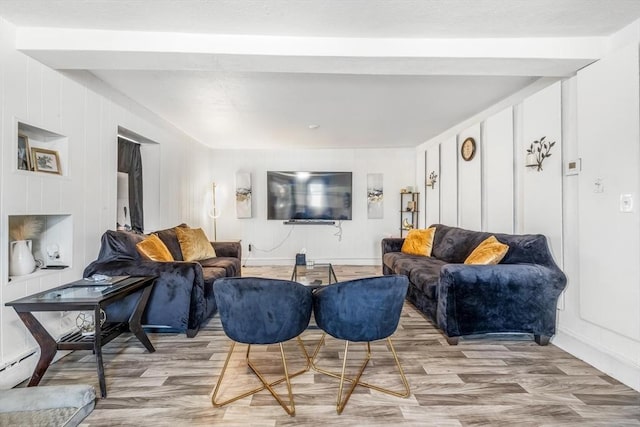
(290, 407)
(340, 403)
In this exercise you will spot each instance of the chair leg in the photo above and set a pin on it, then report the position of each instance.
(224, 371)
(291, 409)
(404, 393)
(311, 359)
(407, 390)
(340, 404)
(265, 385)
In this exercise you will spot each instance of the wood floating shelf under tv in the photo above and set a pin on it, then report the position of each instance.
(309, 222)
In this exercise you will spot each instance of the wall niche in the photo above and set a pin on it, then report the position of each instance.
(47, 237)
(41, 151)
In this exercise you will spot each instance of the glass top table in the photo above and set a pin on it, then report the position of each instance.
(314, 276)
(84, 295)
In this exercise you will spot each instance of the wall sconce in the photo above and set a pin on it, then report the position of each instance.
(433, 179)
(537, 152)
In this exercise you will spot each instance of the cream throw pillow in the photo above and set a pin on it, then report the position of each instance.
(194, 244)
(489, 252)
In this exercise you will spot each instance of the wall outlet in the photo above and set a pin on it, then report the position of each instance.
(249, 247)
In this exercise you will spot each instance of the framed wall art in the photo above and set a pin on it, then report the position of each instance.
(24, 153)
(243, 195)
(46, 161)
(375, 196)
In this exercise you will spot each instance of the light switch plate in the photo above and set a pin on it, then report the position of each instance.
(626, 203)
(598, 186)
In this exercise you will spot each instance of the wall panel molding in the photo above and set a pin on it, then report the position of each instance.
(470, 182)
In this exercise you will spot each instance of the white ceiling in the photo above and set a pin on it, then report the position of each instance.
(370, 73)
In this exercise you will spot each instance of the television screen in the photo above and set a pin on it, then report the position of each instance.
(309, 195)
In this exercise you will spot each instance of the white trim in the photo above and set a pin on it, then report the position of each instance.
(612, 364)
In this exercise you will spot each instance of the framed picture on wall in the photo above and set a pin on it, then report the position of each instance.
(24, 153)
(46, 161)
(375, 196)
(243, 195)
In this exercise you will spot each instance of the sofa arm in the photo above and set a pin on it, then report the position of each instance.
(228, 249)
(476, 299)
(392, 244)
(138, 268)
(179, 285)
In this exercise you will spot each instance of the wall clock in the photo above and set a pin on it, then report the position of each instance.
(468, 149)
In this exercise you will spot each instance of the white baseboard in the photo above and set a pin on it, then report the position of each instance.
(622, 370)
(20, 371)
(17, 372)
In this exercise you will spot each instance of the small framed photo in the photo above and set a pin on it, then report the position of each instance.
(24, 153)
(46, 161)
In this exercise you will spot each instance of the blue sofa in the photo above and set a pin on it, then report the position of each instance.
(182, 297)
(518, 295)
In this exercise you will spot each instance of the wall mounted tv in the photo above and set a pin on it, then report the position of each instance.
(309, 195)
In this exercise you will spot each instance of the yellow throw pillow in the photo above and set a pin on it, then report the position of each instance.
(154, 249)
(489, 252)
(419, 242)
(194, 244)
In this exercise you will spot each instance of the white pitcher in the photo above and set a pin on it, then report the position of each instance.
(21, 258)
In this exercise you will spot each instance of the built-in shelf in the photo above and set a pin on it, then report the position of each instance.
(51, 246)
(409, 203)
(41, 151)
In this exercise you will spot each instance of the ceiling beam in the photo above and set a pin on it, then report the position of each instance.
(131, 50)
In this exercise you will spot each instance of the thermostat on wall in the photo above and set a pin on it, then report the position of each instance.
(573, 167)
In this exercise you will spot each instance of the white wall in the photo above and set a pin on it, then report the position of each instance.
(449, 181)
(276, 243)
(599, 119)
(432, 194)
(594, 116)
(35, 94)
(470, 182)
(601, 320)
(540, 195)
(499, 166)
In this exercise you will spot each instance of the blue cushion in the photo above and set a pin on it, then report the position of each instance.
(361, 310)
(262, 311)
(119, 246)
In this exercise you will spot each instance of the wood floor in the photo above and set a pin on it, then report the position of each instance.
(495, 381)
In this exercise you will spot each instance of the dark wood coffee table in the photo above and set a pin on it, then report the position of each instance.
(84, 295)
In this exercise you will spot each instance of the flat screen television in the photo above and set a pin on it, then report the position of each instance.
(309, 195)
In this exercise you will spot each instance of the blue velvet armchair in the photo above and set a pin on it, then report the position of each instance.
(262, 311)
(361, 310)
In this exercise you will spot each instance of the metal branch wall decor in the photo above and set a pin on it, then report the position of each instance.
(433, 179)
(537, 152)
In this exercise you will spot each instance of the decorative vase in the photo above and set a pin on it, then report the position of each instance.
(21, 259)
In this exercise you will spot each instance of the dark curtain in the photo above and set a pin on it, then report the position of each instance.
(130, 161)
